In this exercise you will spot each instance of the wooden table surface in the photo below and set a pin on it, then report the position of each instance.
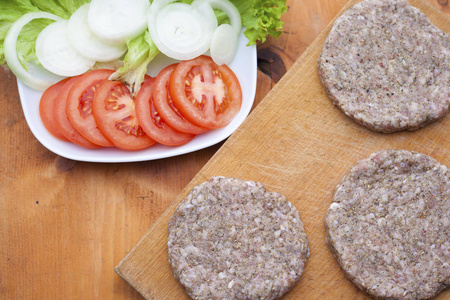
(65, 225)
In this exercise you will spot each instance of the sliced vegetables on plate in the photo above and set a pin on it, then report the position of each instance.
(79, 36)
(93, 111)
(245, 67)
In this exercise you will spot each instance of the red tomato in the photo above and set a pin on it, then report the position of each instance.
(152, 123)
(115, 114)
(207, 94)
(46, 109)
(164, 105)
(61, 120)
(79, 106)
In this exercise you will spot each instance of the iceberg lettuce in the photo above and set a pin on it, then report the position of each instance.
(261, 18)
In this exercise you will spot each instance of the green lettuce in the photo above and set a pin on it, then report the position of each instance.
(261, 18)
(10, 12)
(141, 50)
(62, 8)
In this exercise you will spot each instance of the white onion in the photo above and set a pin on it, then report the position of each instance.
(57, 55)
(225, 38)
(224, 44)
(43, 79)
(115, 21)
(179, 30)
(86, 43)
(228, 8)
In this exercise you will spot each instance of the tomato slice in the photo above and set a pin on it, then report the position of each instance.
(46, 109)
(115, 114)
(164, 105)
(62, 122)
(79, 106)
(207, 94)
(151, 121)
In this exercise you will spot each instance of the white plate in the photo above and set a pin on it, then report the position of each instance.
(245, 67)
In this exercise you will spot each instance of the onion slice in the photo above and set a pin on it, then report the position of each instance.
(181, 31)
(228, 8)
(224, 41)
(86, 43)
(115, 21)
(57, 55)
(224, 44)
(43, 79)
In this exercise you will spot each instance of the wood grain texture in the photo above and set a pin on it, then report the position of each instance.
(296, 143)
(65, 225)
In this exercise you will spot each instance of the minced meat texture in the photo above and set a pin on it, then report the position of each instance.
(389, 225)
(232, 239)
(387, 66)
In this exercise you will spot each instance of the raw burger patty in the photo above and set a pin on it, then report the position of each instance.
(386, 66)
(232, 239)
(389, 225)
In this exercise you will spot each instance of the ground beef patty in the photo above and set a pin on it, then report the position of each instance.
(232, 239)
(386, 66)
(389, 225)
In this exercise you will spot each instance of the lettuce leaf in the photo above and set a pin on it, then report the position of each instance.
(141, 50)
(261, 18)
(67, 6)
(52, 7)
(10, 12)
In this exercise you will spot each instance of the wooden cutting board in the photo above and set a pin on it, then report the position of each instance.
(297, 143)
